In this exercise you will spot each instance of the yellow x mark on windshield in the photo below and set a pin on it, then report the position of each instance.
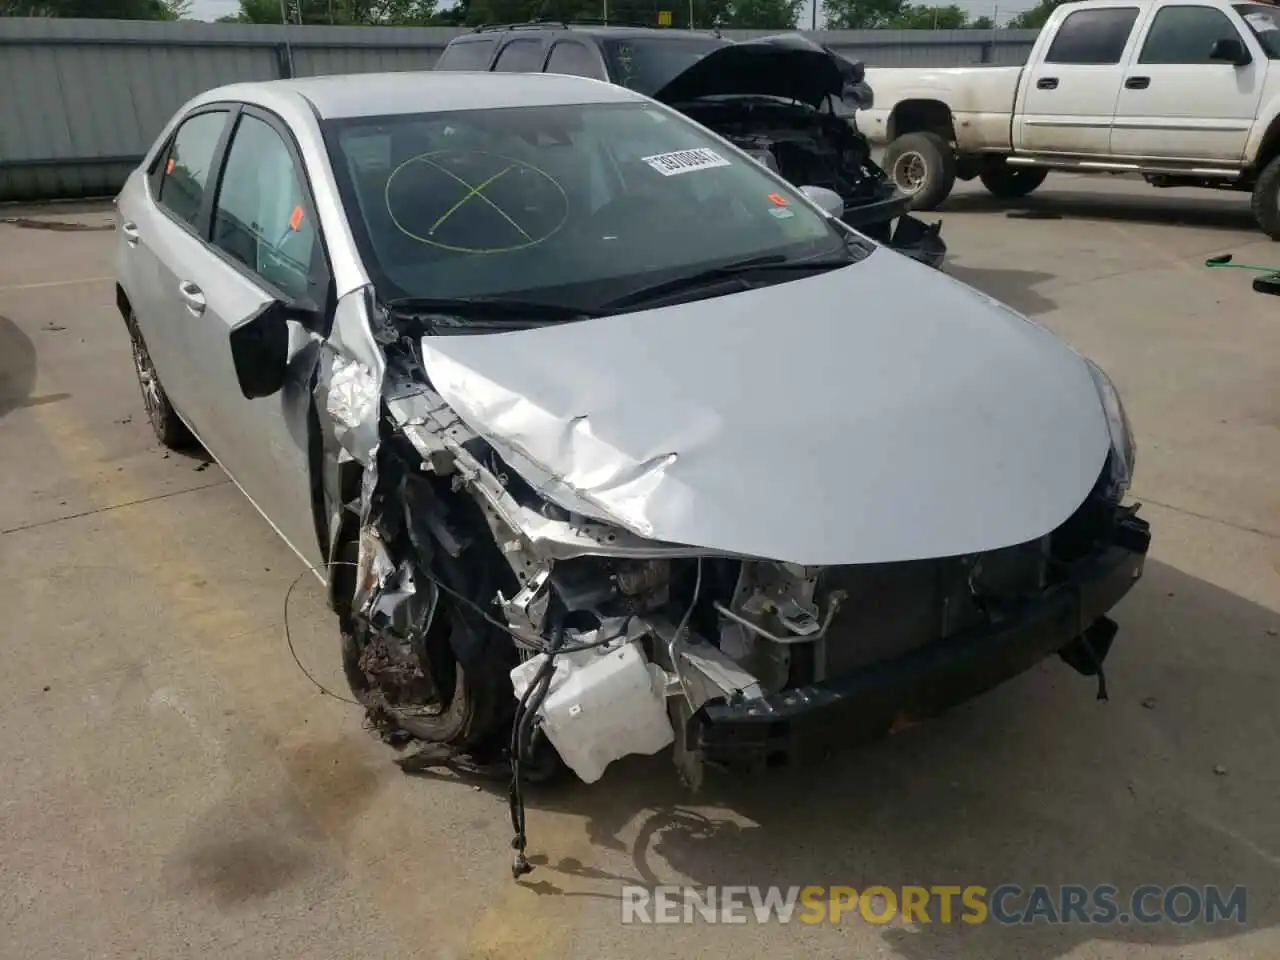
(473, 192)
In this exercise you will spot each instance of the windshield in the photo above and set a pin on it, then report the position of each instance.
(574, 204)
(649, 64)
(1264, 23)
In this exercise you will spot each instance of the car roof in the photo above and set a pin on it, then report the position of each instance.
(376, 94)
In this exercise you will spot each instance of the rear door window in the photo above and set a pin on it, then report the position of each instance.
(1093, 36)
(520, 56)
(466, 55)
(573, 58)
(185, 175)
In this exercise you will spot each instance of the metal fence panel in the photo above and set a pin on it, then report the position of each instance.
(81, 100)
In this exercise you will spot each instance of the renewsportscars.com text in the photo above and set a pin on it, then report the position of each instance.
(1005, 904)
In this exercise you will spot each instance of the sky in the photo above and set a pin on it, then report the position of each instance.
(213, 9)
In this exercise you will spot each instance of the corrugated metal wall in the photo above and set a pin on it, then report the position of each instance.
(81, 100)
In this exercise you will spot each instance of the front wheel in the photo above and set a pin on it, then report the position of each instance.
(1011, 183)
(923, 166)
(415, 682)
(1266, 199)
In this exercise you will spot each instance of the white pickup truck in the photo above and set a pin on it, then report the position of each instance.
(1180, 91)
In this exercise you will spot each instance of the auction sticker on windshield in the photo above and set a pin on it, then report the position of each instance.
(685, 161)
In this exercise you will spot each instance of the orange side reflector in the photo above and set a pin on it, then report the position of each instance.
(168, 167)
(296, 218)
(778, 199)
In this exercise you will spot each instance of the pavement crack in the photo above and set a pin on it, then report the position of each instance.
(1243, 527)
(110, 507)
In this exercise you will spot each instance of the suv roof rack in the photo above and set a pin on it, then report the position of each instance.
(558, 24)
(527, 25)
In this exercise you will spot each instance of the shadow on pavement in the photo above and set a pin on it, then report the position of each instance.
(1162, 207)
(1014, 287)
(1172, 781)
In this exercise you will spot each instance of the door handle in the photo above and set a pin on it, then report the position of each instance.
(1047, 83)
(1137, 83)
(130, 231)
(192, 296)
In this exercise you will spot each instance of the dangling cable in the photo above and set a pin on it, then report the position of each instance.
(526, 715)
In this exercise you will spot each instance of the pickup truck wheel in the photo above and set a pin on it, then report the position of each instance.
(1266, 199)
(923, 166)
(1011, 183)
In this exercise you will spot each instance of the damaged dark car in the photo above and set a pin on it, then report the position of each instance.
(606, 439)
(788, 101)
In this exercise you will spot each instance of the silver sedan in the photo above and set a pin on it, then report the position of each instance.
(602, 435)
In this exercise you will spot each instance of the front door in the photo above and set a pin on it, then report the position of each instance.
(1178, 104)
(1067, 98)
(264, 245)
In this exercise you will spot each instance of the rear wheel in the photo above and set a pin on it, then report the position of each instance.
(1011, 183)
(923, 166)
(165, 422)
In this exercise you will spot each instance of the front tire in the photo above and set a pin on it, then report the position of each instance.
(1266, 199)
(923, 166)
(473, 699)
(1011, 183)
(165, 422)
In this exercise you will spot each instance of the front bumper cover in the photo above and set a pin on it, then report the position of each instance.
(887, 221)
(798, 725)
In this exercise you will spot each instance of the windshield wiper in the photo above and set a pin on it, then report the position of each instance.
(488, 312)
(772, 262)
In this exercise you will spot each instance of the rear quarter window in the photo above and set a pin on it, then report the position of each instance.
(466, 55)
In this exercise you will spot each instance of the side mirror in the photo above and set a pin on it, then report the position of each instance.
(1230, 50)
(832, 203)
(260, 349)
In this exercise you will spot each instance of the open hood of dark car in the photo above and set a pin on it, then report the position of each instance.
(789, 66)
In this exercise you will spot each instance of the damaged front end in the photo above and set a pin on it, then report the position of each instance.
(505, 611)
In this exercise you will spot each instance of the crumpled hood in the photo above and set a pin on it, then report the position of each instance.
(789, 66)
(879, 412)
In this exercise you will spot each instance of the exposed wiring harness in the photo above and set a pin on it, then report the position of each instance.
(521, 729)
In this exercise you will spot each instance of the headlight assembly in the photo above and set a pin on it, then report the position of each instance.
(1123, 449)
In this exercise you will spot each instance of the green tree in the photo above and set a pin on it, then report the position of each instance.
(919, 17)
(981, 23)
(97, 9)
(762, 14)
(861, 14)
(1033, 18)
(338, 12)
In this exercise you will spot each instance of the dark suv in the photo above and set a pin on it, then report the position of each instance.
(787, 101)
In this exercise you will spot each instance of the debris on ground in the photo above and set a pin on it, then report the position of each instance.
(1220, 770)
(52, 328)
(1149, 703)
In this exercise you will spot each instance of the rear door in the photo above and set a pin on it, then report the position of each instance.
(263, 244)
(1175, 102)
(1067, 97)
(162, 230)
